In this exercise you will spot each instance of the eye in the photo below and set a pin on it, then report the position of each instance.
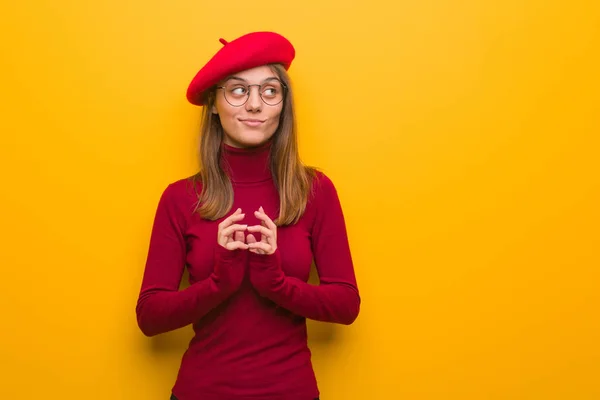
(238, 90)
(271, 91)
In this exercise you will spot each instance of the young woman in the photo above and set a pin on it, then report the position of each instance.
(247, 228)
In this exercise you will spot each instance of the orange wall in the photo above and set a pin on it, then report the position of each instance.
(462, 137)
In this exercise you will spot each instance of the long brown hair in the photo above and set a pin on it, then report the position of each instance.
(292, 178)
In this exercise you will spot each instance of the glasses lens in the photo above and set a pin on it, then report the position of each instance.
(272, 92)
(237, 93)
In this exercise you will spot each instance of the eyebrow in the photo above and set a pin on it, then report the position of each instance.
(244, 80)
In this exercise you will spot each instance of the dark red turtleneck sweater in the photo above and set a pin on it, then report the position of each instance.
(250, 339)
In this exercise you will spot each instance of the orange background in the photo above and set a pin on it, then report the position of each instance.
(462, 137)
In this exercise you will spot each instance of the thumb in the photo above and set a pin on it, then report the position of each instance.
(250, 238)
(239, 236)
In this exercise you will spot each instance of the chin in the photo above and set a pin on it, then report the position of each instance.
(252, 140)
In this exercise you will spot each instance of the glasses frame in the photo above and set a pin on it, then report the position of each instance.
(283, 87)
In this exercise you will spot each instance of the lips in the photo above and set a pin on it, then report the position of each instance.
(251, 121)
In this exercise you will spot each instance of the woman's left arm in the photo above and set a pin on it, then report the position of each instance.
(336, 299)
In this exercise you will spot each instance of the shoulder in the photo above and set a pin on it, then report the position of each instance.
(323, 189)
(324, 208)
(182, 194)
(183, 187)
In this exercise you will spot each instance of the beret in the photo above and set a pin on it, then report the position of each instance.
(248, 51)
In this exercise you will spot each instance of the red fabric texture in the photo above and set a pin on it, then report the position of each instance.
(248, 51)
(248, 311)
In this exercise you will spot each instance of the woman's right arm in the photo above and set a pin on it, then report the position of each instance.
(161, 306)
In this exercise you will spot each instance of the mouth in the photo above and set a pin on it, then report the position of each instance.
(251, 121)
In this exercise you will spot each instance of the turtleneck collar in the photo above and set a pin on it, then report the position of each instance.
(247, 165)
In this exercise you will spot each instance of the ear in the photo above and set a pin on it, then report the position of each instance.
(214, 109)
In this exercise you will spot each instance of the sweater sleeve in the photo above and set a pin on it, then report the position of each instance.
(336, 298)
(161, 306)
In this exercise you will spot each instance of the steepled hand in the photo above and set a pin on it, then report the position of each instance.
(231, 235)
(268, 235)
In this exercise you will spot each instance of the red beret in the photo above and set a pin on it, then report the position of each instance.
(248, 51)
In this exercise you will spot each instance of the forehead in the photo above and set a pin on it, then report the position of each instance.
(255, 75)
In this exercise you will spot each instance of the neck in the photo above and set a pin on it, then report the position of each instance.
(247, 165)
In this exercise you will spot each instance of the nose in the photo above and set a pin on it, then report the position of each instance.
(254, 102)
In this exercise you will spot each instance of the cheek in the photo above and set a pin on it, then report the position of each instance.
(227, 123)
(275, 119)
(227, 118)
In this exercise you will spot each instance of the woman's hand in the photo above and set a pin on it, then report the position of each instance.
(231, 235)
(268, 235)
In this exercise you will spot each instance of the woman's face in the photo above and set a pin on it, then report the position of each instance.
(246, 119)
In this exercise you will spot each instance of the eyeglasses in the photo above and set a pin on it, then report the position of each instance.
(237, 94)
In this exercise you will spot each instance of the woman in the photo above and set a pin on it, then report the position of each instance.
(247, 227)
